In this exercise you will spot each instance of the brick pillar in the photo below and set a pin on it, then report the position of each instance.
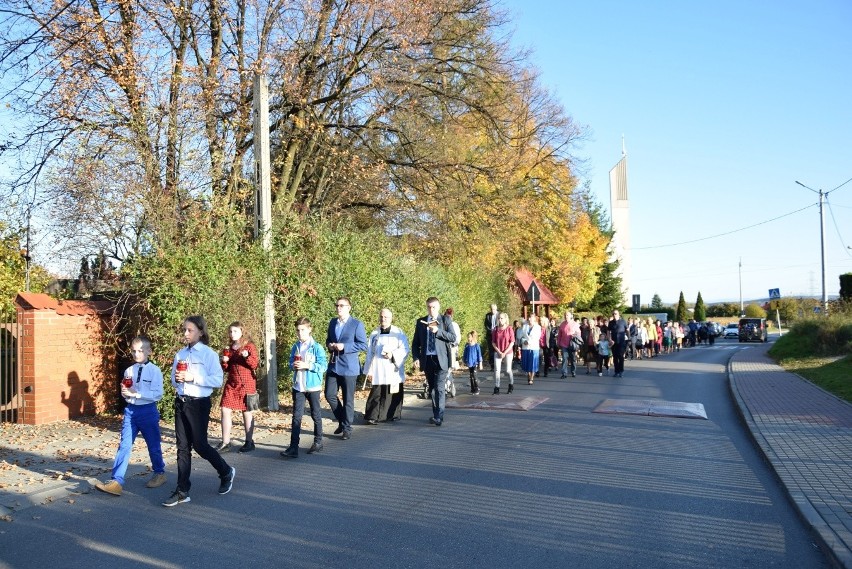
(67, 370)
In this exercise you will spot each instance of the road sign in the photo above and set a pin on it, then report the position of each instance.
(774, 294)
(533, 293)
(816, 310)
(636, 304)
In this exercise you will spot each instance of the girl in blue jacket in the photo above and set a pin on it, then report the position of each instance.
(472, 358)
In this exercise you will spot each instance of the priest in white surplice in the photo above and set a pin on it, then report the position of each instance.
(387, 349)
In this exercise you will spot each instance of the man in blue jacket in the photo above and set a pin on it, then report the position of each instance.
(431, 349)
(346, 338)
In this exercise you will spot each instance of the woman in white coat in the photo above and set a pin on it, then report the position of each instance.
(387, 349)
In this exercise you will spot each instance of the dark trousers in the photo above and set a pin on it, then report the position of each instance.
(618, 350)
(474, 385)
(191, 418)
(382, 405)
(313, 398)
(344, 411)
(569, 360)
(490, 348)
(436, 378)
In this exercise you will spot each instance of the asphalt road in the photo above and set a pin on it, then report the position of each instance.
(556, 486)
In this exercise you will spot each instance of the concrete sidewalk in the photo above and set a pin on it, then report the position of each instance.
(806, 435)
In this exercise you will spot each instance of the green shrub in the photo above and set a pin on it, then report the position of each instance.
(222, 274)
(317, 261)
(830, 336)
(216, 273)
(754, 311)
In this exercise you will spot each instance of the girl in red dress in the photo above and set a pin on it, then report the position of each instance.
(239, 361)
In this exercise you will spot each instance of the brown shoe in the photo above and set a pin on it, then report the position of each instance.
(157, 480)
(111, 487)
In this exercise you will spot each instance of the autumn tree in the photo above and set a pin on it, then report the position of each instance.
(138, 115)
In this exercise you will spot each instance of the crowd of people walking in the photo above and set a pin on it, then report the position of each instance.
(332, 369)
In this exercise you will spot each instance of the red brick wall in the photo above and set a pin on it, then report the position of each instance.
(66, 368)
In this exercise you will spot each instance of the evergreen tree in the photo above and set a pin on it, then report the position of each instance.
(85, 271)
(700, 312)
(657, 302)
(597, 212)
(609, 295)
(101, 267)
(681, 315)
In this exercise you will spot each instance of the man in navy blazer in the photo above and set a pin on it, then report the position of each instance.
(346, 338)
(431, 350)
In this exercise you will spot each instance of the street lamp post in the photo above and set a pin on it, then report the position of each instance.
(821, 242)
(742, 310)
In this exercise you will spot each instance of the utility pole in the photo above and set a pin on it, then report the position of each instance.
(821, 242)
(263, 229)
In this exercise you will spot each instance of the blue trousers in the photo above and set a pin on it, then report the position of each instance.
(569, 358)
(143, 419)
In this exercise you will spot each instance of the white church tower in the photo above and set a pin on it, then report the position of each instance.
(620, 215)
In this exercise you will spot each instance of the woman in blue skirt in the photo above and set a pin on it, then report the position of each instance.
(530, 350)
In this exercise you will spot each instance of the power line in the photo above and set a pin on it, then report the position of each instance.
(840, 186)
(727, 232)
(836, 228)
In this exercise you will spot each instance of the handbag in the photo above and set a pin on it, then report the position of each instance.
(252, 401)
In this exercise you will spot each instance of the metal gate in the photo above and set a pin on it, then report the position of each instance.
(11, 399)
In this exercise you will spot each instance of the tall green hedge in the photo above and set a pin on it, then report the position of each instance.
(222, 275)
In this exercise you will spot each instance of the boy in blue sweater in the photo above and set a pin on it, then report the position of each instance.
(308, 362)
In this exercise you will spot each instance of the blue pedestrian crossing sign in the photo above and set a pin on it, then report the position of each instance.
(774, 297)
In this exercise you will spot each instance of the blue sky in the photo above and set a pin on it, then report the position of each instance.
(723, 106)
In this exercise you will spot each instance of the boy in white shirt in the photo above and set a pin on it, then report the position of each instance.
(141, 387)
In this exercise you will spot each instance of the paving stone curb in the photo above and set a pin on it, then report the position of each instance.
(829, 540)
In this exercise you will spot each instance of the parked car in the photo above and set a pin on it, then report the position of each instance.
(753, 330)
(714, 328)
(732, 330)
